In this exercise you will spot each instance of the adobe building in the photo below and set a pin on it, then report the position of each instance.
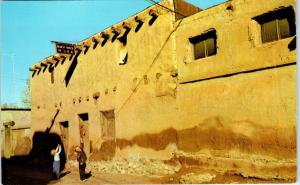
(15, 132)
(216, 87)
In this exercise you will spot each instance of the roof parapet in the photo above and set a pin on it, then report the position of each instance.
(117, 31)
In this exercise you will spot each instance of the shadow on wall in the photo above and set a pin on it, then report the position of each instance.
(292, 44)
(43, 143)
(36, 167)
(106, 152)
(72, 68)
(216, 134)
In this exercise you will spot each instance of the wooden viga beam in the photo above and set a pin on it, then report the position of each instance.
(95, 41)
(36, 67)
(63, 58)
(44, 64)
(115, 30)
(139, 19)
(104, 38)
(104, 35)
(84, 46)
(153, 13)
(56, 59)
(126, 25)
(48, 61)
(32, 69)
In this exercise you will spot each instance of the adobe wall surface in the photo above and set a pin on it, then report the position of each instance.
(18, 140)
(245, 94)
(235, 110)
(20, 117)
(98, 72)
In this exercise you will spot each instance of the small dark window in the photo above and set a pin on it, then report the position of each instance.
(205, 44)
(64, 124)
(277, 25)
(84, 116)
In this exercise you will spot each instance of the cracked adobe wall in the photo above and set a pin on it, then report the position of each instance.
(235, 109)
(95, 82)
(241, 102)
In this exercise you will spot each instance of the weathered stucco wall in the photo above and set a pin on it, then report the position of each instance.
(98, 72)
(16, 139)
(241, 102)
(239, 47)
(236, 106)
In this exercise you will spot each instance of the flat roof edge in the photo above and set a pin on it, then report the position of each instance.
(16, 109)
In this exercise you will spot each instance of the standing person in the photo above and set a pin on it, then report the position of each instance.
(56, 161)
(81, 158)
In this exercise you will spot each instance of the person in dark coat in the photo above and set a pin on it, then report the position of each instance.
(81, 158)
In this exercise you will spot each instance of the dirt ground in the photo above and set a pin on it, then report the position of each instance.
(16, 173)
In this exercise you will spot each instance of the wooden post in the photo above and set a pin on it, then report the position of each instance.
(7, 138)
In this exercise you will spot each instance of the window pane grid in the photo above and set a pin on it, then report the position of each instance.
(210, 47)
(269, 31)
(204, 45)
(277, 25)
(199, 50)
(284, 28)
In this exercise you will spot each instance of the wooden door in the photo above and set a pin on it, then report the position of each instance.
(108, 125)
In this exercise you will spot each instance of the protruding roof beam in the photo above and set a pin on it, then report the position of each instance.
(104, 37)
(63, 58)
(153, 13)
(115, 30)
(76, 54)
(44, 64)
(55, 58)
(48, 61)
(32, 69)
(95, 41)
(37, 67)
(126, 25)
(78, 50)
(79, 45)
(139, 19)
(123, 37)
(85, 46)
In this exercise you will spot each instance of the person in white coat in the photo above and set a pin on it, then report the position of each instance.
(56, 161)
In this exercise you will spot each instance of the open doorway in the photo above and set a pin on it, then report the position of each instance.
(84, 131)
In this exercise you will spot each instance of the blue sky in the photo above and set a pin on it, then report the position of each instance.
(28, 27)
